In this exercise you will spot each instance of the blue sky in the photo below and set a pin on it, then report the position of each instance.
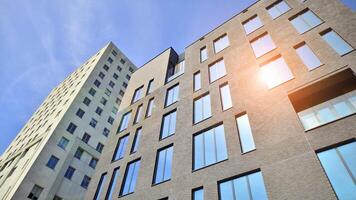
(41, 42)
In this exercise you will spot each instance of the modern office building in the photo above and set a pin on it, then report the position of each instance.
(56, 152)
(262, 107)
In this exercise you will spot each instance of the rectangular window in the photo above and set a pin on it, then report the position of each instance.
(86, 101)
(202, 108)
(252, 24)
(340, 167)
(86, 137)
(137, 95)
(149, 107)
(125, 121)
(336, 42)
(136, 141)
(276, 72)
(69, 173)
(97, 83)
(52, 162)
(221, 43)
(85, 182)
(99, 147)
(175, 71)
(78, 154)
(245, 187)
(103, 101)
(163, 168)
(130, 178)
(304, 21)
(138, 114)
(225, 97)
(110, 120)
(93, 162)
(71, 128)
(203, 54)
(217, 70)
(113, 181)
(110, 60)
(278, 8)
(172, 95)
(120, 148)
(93, 122)
(209, 147)
(80, 113)
(245, 134)
(168, 124)
(150, 87)
(101, 75)
(198, 194)
(92, 92)
(99, 188)
(310, 60)
(197, 81)
(63, 142)
(35, 192)
(262, 44)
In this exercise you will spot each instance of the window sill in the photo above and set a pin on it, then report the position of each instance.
(222, 49)
(211, 82)
(311, 28)
(125, 194)
(247, 34)
(243, 153)
(194, 170)
(196, 123)
(347, 53)
(327, 123)
(175, 76)
(154, 184)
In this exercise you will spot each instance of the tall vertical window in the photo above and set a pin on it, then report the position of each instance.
(172, 95)
(137, 95)
(252, 24)
(209, 147)
(71, 128)
(85, 182)
(100, 186)
(35, 192)
(130, 178)
(136, 141)
(125, 121)
(202, 108)
(163, 168)
(278, 8)
(121, 147)
(198, 194)
(305, 20)
(150, 87)
(225, 97)
(63, 142)
(217, 70)
(203, 54)
(340, 166)
(245, 187)
(262, 44)
(197, 81)
(310, 60)
(52, 162)
(245, 133)
(276, 72)
(336, 42)
(168, 124)
(112, 184)
(221, 43)
(149, 107)
(138, 114)
(69, 173)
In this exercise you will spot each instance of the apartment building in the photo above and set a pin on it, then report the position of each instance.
(55, 154)
(261, 107)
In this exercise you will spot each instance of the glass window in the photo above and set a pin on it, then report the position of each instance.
(278, 8)
(97, 83)
(80, 113)
(138, 114)
(86, 101)
(336, 42)
(203, 54)
(99, 147)
(217, 70)
(202, 108)
(305, 20)
(150, 87)
(69, 173)
(168, 124)
(197, 81)
(78, 154)
(308, 57)
(93, 162)
(86, 137)
(63, 142)
(71, 128)
(225, 96)
(246, 187)
(52, 162)
(252, 24)
(35, 192)
(121, 147)
(100, 186)
(221, 43)
(125, 121)
(163, 167)
(276, 72)
(85, 182)
(340, 166)
(209, 147)
(93, 122)
(149, 107)
(175, 71)
(262, 45)
(198, 194)
(172, 95)
(137, 95)
(112, 184)
(92, 92)
(136, 141)
(130, 178)
(245, 134)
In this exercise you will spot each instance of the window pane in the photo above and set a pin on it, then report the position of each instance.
(172, 95)
(257, 185)
(130, 178)
(221, 43)
(252, 25)
(198, 151)
(225, 97)
(263, 45)
(220, 143)
(112, 185)
(226, 190)
(217, 70)
(202, 108)
(197, 81)
(278, 9)
(241, 188)
(203, 54)
(198, 194)
(245, 133)
(209, 148)
(305, 21)
(120, 151)
(276, 72)
(308, 57)
(100, 186)
(169, 124)
(337, 43)
(125, 121)
(136, 140)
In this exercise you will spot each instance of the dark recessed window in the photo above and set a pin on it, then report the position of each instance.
(121, 148)
(78, 154)
(69, 173)
(93, 122)
(86, 137)
(86, 101)
(106, 132)
(80, 113)
(119, 68)
(98, 110)
(93, 162)
(103, 101)
(101, 75)
(163, 168)
(71, 128)
(110, 120)
(110, 60)
(92, 92)
(52, 162)
(115, 76)
(85, 181)
(99, 147)
(106, 68)
(97, 83)
(130, 178)
(111, 84)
